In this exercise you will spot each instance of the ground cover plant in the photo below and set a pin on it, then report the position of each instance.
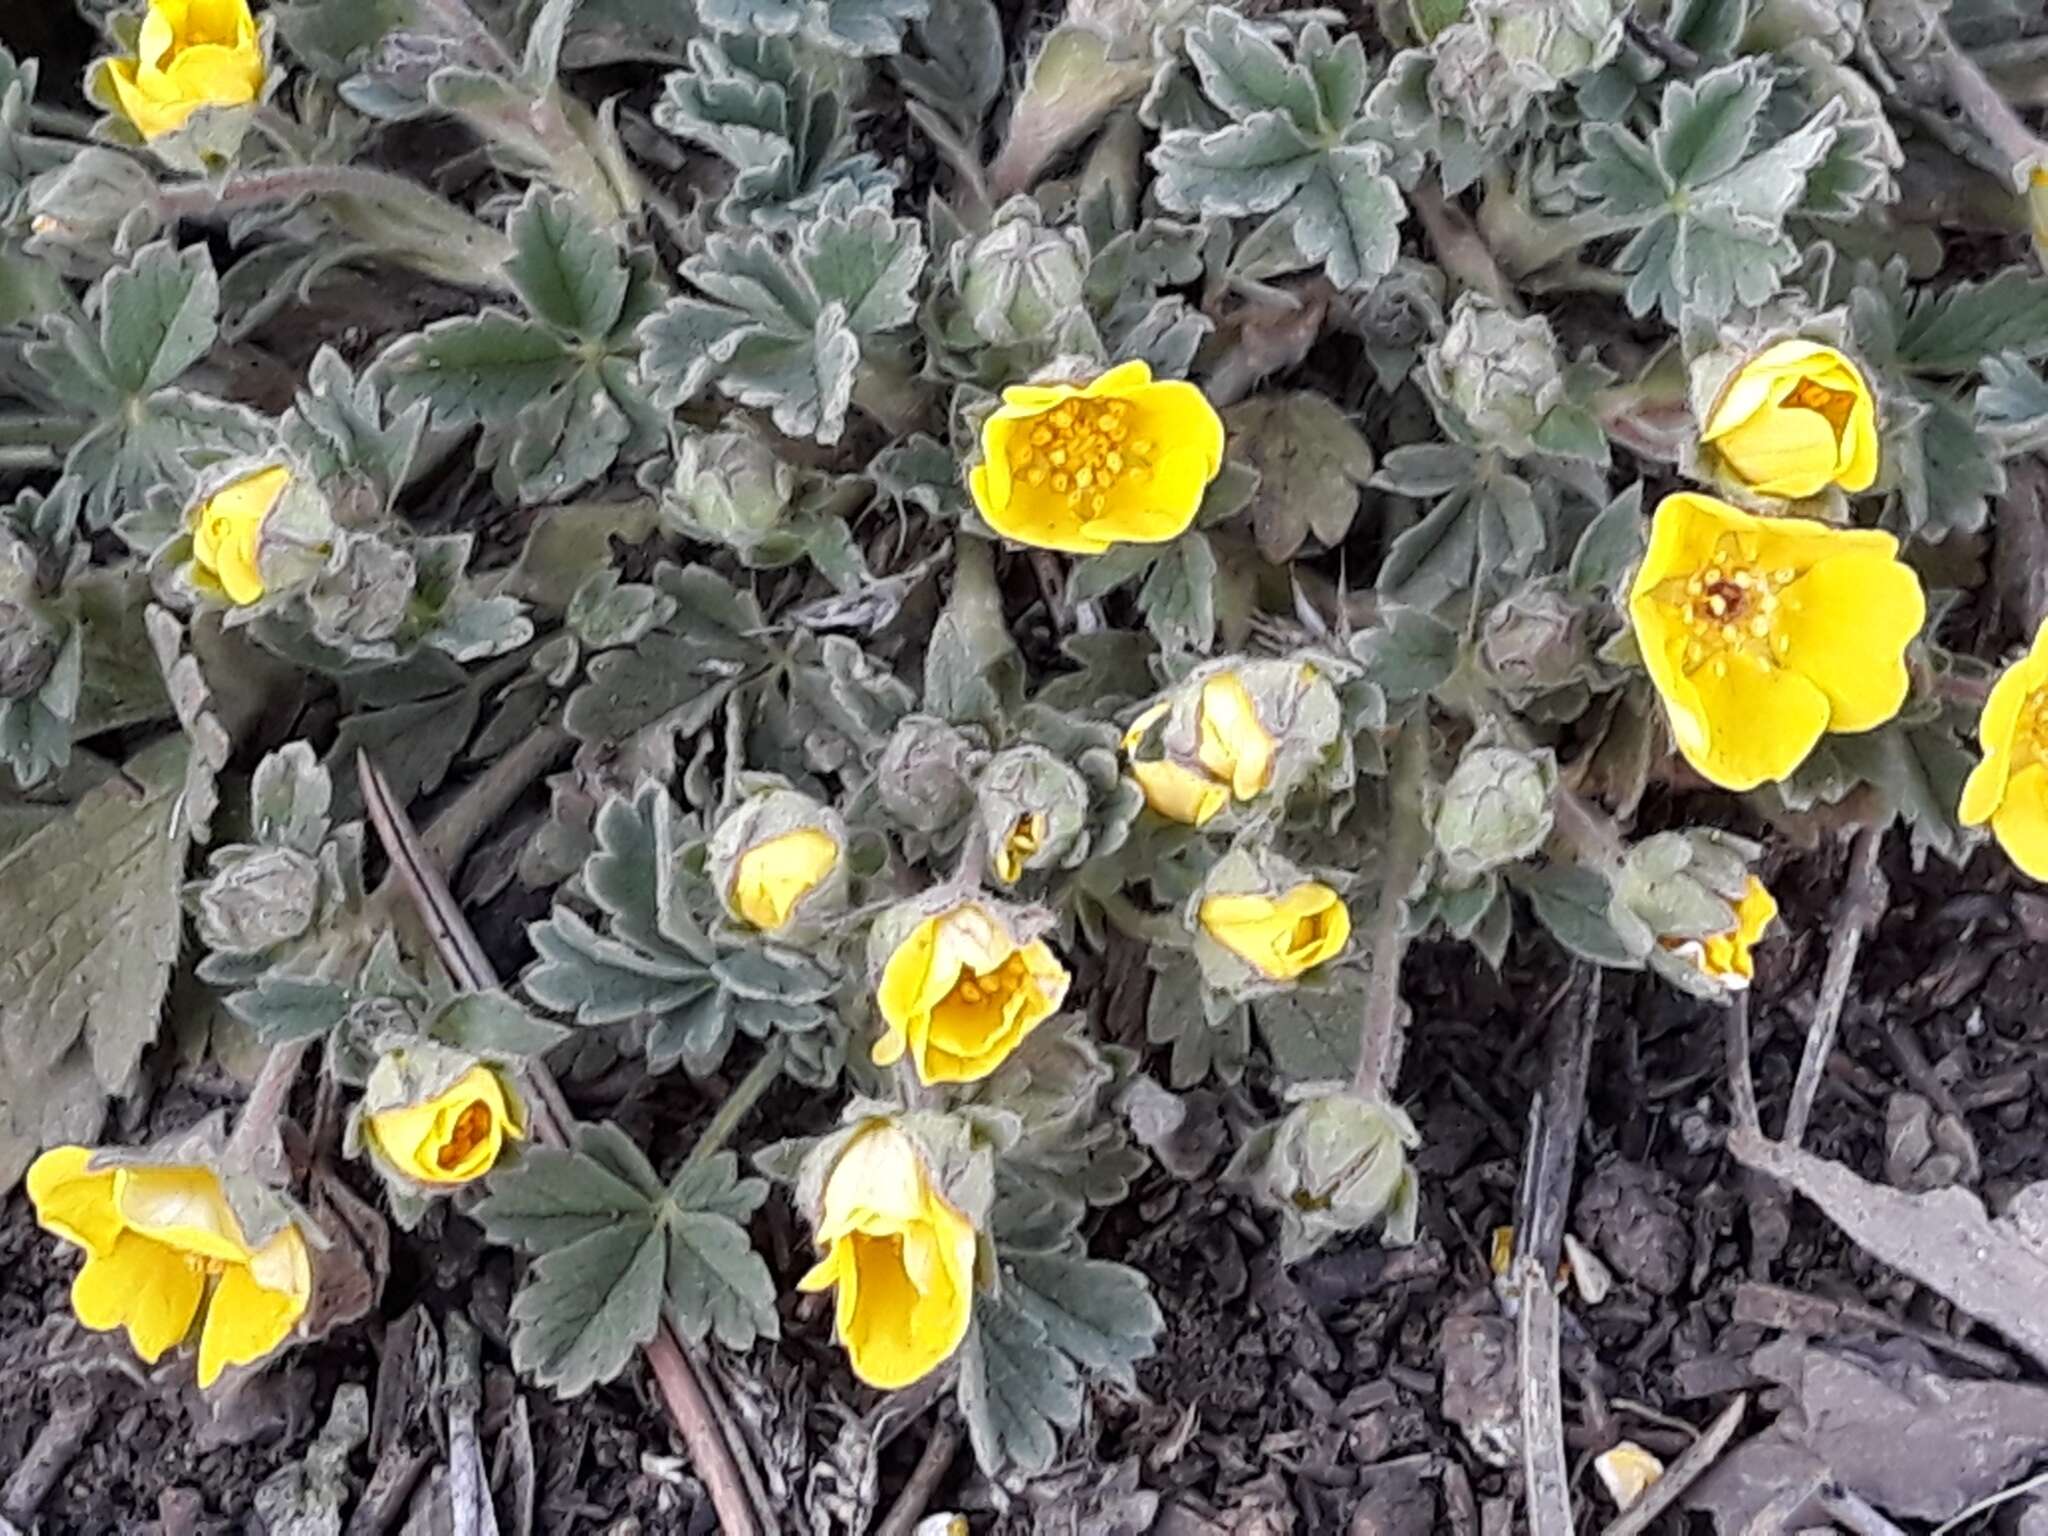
(925, 764)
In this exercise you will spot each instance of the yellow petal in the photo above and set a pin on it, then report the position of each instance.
(1180, 794)
(895, 1330)
(1782, 452)
(1125, 379)
(1849, 621)
(213, 76)
(255, 1306)
(1997, 730)
(75, 1204)
(771, 877)
(1281, 937)
(1759, 722)
(143, 1286)
(227, 537)
(182, 1208)
(1232, 742)
(876, 1183)
(2021, 821)
(452, 1138)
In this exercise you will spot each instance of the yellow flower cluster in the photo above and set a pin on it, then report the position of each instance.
(163, 1245)
(189, 54)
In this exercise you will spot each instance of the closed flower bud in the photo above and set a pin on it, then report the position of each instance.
(1792, 420)
(925, 778)
(1496, 808)
(1550, 42)
(780, 862)
(258, 898)
(1534, 640)
(960, 987)
(1500, 373)
(364, 599)
(1336, 1163)
(1017, 282)
(1260, 924)
(433, 1118)
(1033, 809)
(1473, 81)
(730, 488)
(189, 54)
(900, 1255)
(30, 642)
(1404, 309)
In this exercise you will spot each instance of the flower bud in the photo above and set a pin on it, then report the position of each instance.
(1550, 42)
(1260, 924)
(1496, 808)
(1404, 309)
(256, 529)
(1020, 280)
(925, 778)
(434, 1118)
(1233, 731)
(779, 862)
(1688, 900)
(729, 488)
(363, 599)
(2035, 176)
(1033, 809)
(960, 984)
(1500, 374)
(1781, 26)
(1336, 1163)
(257, 898)
(1535, 640)
(1471, 80)
(1788, 420)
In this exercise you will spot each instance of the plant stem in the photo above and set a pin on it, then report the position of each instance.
(272, 1091)
(766, 1068)
(1523, 241)
(1460, 247)
(1383, 1029)
(1982, 104)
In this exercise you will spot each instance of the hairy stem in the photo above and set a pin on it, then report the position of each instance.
(1383, 1030)
(766, 1068)
(1984, 106)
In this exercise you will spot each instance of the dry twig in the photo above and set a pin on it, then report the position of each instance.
(1688, 1469)
(1863, 903)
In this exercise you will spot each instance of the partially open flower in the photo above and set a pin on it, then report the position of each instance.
(448, 1137)
(773, 876)
(2009, 787)
(227, 536)
(1233, 756)
(189, 54)
(1284, 935)
(961, 990)
(1725, 959)
(1082, 468)
(1761, 634)
(1795, 419)
(779, 859)
(1034, 811)
(162, 1245)
(900, 1254)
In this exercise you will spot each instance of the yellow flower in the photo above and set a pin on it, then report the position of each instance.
(2037, 208)
(228, 535)
(1025, 839)
(1795, 419)
(1762, 633)
(1232, 746)
(2009, 788)
(155, 1238)
(960, 993)
(1122, 460)
(1725, 958)
(778, 872)
(901, 1255)
(1280, 936)
(454, 1137)
(189, 54)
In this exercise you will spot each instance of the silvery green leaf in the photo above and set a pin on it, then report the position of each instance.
(1920, 769)
(158, 315)
(597, 980)
(1611, 544)
(1347, 216)
(961, 74)
(1247, 167)
(2012, 403)
(607, 612)
(1711, 28)
(554, 1196)
(1312, 461)
(1489, 529)
(567, 271)
(542, 59)
(333, 36)
(280, 1009)
(1312, 1033)
(586, 1309)
(972, 668)
(486, 367)
(1407, 654)
(1204, 1043)
(858, 27)
(491, 1024)
(1426, 469)
(290, 796)
(150, 446)
(1953, 329)
(717, 1283)
(1571, 901)
(1016, 1391)
(1099, 1315)
(339, 430)
(773, 976)
(681, 671)
(1244, 72)
(1178, 598)
(1945, 468)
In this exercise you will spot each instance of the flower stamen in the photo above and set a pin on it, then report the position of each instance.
(1083, 450)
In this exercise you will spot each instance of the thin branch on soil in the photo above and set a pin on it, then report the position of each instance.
(1688, 1469)
(1863, 903)
(1546, 1478)
(682, 1387)
(1983, 1506)
(1856, 1515)
(1741, 1078)
(1383, 1028)
(932, 1466)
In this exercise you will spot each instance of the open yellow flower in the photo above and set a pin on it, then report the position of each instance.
(1024, 839)
(1121, 460)
(2009, 788)
(776, 873)
(155, 1240)
(453, 1137)
(1795, 419)
(1233, 755)
(1763, 633)
(960, 993)
(901, 1255)
(1725, 958)
(228, 535)
(189, 54)
(1280, 936)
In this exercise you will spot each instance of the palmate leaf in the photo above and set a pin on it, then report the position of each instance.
(612, 1248)
(1708, 213)
(1572, 901)
(1954, 329)
(858, 27)
(781, 325)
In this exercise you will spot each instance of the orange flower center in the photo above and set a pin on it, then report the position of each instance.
(1831, 405)
(1732, 605)
(472, 1126)
(996, 987)
(1081, 450)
